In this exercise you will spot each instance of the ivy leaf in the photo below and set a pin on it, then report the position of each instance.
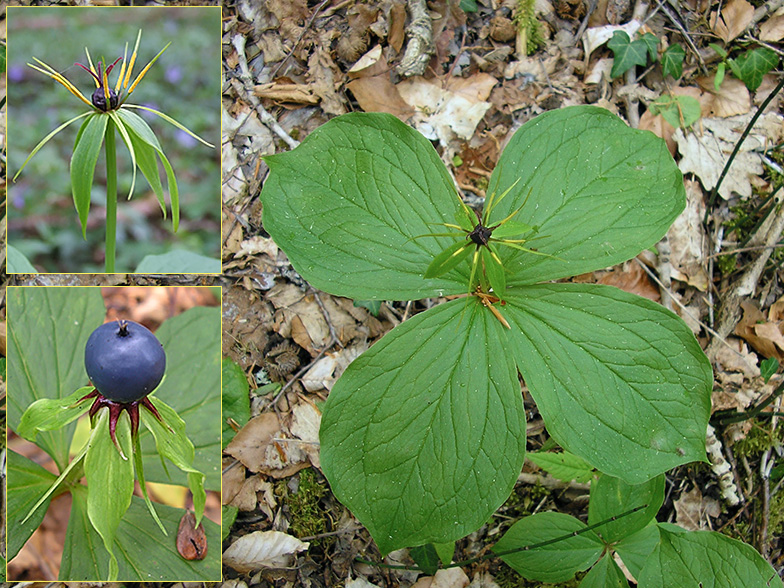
(349, 207)
(436, 414)
(684, 558)
(751, 66)
(672, 61)
(651, 43)
(585, 352)
(556, 562)
(590, 187)
(627, 54)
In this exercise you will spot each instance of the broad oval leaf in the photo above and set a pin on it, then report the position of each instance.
(707, 559)
(423, 436)
(611, 497)
(619, 380)
(85, 156)
(605, 574)
(557, 561)
(347, 205)
(601, 192)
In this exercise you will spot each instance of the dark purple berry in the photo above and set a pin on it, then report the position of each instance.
(124, 361)
(99, 99)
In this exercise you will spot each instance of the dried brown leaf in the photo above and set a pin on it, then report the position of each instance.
(734, 19)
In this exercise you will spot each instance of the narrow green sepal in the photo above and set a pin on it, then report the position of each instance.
(494, 270)
(448, 259)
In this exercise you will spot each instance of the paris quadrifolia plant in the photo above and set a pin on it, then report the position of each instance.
(125, 363)
(423, 435)
(109, 110)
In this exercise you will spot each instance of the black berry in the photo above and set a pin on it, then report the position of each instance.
(124, 361)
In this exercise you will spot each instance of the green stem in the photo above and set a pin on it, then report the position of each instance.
(111, 196)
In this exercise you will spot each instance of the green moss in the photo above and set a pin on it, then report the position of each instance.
(528, 27)
(307, 516)
(759, 439)
(727, 264)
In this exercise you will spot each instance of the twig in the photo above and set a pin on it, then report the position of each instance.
(769, 7)
(247, 83)
(721, 468)
(730, 312)
(664, 266)
(331, 327)
(420, 42)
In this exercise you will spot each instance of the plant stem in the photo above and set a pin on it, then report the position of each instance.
(111, 196)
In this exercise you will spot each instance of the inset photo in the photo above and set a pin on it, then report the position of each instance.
(114, 434)
(113, 139)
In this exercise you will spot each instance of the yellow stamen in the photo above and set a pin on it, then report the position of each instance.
(148, 66)
(92, 67)
(133, 60)
(59, 78)
(106, 89)
(122, 70)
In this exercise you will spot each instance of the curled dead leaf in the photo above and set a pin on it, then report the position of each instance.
(191, 540)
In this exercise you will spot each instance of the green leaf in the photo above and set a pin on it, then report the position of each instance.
(172, 443)
(448, 259)
(46, 139)
(46, 339)
(373, 306)
(719, 78)
(445, 551)
(752, 65)
(679, 111)
(143, 552)
(718, 49)
(2, 58)
(651, 43)
(109, 480)
(178, 261)
(563, 466)
(592, 181)
(49, 414)
(672, 61)
(556, 562)
(512, 229)
(27, 483)
(228, 516)
(493, 270)
(138, 463)
(611, 497)
(358, 191)
(705, 558)
(17, 263)
(627, 54)
(619, 380)
(140, 134)
(435, 415)
(192, 388)
(635, 549)
(426, 557)
(768, 367)
(83, 161)
(127, 139)
(605, 574)
(235, 400)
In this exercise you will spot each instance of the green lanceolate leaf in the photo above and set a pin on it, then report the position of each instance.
(172, 443)
(170, 120)
(27, 483)
(139, 464)
(707, 558)
(359, 191)
(46, 139)
(46, 339)
(612, 496)
(48, 414)
(556, 562)
(436, 437)
(494, 270)
(619, 380)
(592, 180)
(448, 259)
(109, 481)
(141, 134)
(126, 138)
(83, 161)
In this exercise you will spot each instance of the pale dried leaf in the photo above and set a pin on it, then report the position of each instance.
(733, 98)
(483, 580)
(735, 17)
(736, 357)
(772, 30)
(262, 447)
(597, 36)
(262, 549)
(449, 578)
(688, 241)
(305, 423)
(359, 583)
(256, 245)
(693, 510)
(379, 94)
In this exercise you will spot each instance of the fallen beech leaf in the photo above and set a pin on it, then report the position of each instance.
(262, 549)
(772, 30)
(191, 540)
(735, 17)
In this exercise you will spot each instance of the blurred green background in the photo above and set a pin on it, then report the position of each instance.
(184, 83)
